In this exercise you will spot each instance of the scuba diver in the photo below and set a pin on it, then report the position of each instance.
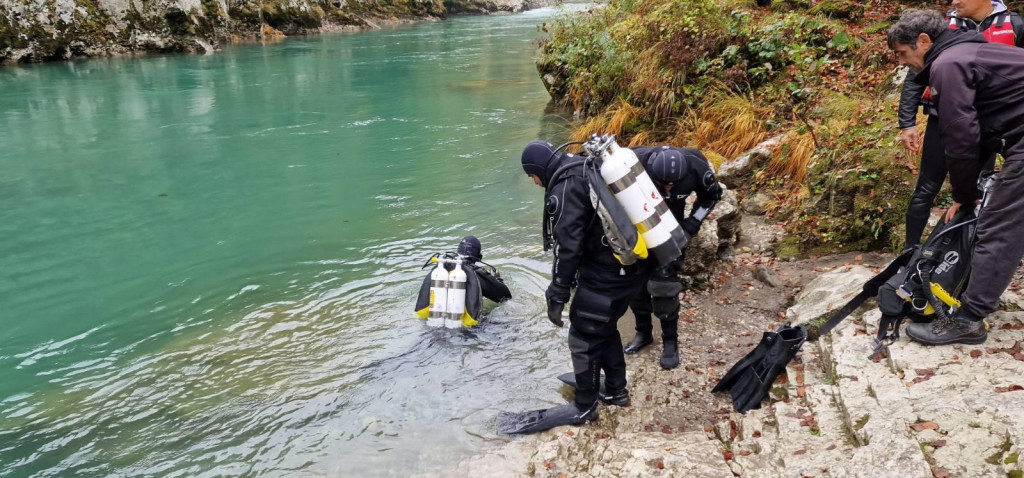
(583, 258)
(450, 295)
(677, 173)
(491, 284)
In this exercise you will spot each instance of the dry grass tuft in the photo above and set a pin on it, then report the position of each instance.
(792, 158)
(727, 125)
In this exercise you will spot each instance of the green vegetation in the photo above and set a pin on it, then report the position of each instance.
(723, 75)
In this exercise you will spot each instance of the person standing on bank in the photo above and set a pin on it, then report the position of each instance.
(583, 258)
(677, 173)
(978, 88)
(998, 25)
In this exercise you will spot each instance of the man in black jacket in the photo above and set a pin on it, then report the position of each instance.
(677, 173)
(604, 287)
(998, 25)
(979, 92)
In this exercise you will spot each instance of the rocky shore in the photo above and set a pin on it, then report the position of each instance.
(34, 31)
(919, 412)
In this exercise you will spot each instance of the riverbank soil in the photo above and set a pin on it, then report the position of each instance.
(919, 411)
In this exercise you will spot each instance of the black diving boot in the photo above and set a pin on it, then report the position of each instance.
(955, 330)
(670, 355)
(638, 343)
(618, 398)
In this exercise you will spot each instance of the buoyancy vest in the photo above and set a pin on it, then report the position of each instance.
(474, 302)
(1000, 30)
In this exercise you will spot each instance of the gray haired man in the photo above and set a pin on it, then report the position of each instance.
(978, 88)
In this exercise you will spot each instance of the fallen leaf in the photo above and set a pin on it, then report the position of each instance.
(549, 465)
(975, 353)
(799, 452)
(728, 455)
(939, 443)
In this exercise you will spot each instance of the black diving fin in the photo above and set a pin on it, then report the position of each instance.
(569, 379)
(750, 380)
(535, 421)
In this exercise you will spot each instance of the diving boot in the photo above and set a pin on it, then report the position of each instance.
(619, 398)
(954, 330)
(670, 355)
(638, 343)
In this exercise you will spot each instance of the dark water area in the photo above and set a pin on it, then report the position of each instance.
(208, 264)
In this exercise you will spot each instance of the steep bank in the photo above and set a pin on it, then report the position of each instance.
(33, 31)
(816, 74)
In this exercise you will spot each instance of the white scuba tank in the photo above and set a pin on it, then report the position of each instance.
(438, 295)
(456, 297)
(633, 188)
(447, 293)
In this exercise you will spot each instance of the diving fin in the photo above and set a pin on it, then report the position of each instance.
(534, 421)
(569, 379)
(750, 380)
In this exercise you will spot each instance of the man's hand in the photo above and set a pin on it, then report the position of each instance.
(556, 295)
(911, 138)
(951, 212)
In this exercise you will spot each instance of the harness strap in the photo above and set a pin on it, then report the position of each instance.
(870, 290)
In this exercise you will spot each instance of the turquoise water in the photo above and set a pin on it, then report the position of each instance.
(208, 264)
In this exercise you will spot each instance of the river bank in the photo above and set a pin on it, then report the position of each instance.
(53, 31)
(942, 411)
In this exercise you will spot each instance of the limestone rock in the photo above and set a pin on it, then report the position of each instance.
(733, 172)
(720, 230)
(828, 292)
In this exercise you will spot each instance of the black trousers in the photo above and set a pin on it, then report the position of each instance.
(932, 174)
(1000, 246)
(594, 341)
(666, 307)
(930, 177)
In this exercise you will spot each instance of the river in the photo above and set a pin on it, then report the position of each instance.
(208, 264)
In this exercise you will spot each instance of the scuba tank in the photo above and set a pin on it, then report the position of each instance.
(633, 189)
(450, 295)
(447, 292)
(456, 296)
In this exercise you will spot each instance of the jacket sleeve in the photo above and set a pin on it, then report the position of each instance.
(570, 217)
(708, 190)
(953, 82)
(492, 287)
(910, 98)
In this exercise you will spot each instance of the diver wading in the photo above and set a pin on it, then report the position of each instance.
(601, 254)
(677, 173)
(451, 293)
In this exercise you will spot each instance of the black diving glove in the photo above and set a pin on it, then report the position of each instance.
(691, 226)
(557, 296)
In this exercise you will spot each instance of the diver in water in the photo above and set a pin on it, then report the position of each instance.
(451, 294)
(491, 284)
(583, 259)
(677, 173)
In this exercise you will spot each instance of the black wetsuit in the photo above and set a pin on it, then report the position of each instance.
(604, 287)
(491, 285)
(660, 295)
